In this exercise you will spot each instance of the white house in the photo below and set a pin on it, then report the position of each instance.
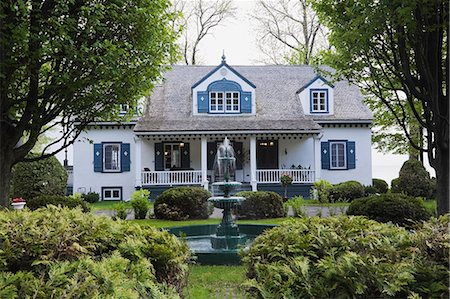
(280, 119)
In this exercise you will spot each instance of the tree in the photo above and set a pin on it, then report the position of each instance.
(67, 63)
(289, 31)
(398, 52)
(198, 19)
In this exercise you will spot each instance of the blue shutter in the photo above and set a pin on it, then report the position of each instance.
(125, 157)
(98, 157)
(246, 102)
(159, 157)
(325, 154)
(351, 155)
(185, 157)
(203, 102)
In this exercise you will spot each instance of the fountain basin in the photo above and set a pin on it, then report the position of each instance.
(198, 238)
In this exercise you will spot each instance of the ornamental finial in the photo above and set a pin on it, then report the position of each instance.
(223, 56)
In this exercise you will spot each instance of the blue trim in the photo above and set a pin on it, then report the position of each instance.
(221, 85)
(217, 68)
(314, 80)
(311, 103)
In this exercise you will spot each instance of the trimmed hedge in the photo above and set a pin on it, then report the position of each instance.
(394, 207)
(260, 205)
(346, 191)
(91, 197)
(380, 186)
(63, 253)
(413, 180)
(57, 200)
(348, 257)
(181, 203)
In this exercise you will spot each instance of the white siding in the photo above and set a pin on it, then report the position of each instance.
(305, 97)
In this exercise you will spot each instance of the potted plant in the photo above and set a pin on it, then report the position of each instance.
(18, 203)
(285, 180)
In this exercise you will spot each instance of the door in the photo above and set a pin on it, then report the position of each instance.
(267, 154)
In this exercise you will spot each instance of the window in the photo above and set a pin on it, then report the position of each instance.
(337, 156)
(319, 100)
(112, 193)
(124, 109)
(111, 157)
(224, 102)
(172, 155)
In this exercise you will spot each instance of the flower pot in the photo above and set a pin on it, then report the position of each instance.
(18, 205)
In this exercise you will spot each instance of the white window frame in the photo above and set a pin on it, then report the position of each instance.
(119, 168)
(337, 157)
(124, 109)
(112, 189)
(180, 146)
(325, 101)
(224, 102)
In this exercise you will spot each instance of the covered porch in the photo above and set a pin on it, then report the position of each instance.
(170, 159)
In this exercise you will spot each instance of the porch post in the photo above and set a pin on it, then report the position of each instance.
(204, 165)
(138, 162)
(317, 155)
(253, 180)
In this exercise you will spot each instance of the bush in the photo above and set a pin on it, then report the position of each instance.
(297, 204)
(139, 202)
(121, 211)
(413, 180)
(345, 257)
(321, 191)
(63, 253)
(260, 205)
(42, 177)
(380, 186)
(91, 197)
(394, 207)
(346, 191)
(58, 200)
(370, 190)
(182, 203)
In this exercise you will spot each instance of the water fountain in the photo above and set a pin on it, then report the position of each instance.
(219, 244)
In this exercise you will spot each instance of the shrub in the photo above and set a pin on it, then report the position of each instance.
(297, 206)
(380, 186)
(182, 203)
(63, 253)
(346, 191)
(91, 197)
(260, 205)
(31, 179)
(139, 202)
(321, 190)
(413, 180)
(121, 211)
(370, 190)
(395, 207)
(58, 200)
(344, 257)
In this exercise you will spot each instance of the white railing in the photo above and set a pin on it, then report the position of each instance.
(273, 175)
(179, 177)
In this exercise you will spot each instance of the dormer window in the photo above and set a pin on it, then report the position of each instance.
(319, 101)
(124, 109)
(224, 102)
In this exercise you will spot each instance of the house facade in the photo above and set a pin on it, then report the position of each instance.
(280, 119)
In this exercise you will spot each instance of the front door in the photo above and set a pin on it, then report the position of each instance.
(267, 154)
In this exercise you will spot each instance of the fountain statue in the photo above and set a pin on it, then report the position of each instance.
(227, 234)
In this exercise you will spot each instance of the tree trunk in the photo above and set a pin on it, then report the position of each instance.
(442, 181)
(5, 176)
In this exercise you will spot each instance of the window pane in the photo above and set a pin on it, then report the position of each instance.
(116, 193)
(107, 193)
(112, 152)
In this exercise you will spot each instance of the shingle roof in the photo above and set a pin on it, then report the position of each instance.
(278, 107)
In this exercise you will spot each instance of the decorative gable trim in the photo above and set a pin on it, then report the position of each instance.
(223, 64)
(314, 80)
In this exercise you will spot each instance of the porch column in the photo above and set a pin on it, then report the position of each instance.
(253, 180)
(138, 162)
(317, 155)
(204, 165)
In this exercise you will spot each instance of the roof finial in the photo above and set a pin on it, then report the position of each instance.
(223, 56)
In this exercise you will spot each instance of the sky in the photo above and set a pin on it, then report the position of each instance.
(237, 38)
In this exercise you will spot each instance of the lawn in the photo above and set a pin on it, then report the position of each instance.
(431, 206)
(169, 223)
(109, 205)
(215, 282)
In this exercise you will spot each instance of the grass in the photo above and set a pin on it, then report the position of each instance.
(170, 223)
(109, 205)
(215, 282)
(314, 202)
(431, 206)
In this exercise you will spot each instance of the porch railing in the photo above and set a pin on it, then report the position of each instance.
(273, 175)
(179, 177)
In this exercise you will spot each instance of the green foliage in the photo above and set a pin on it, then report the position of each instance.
(62, 252)
(139, 202)
(91, 197)
(413, 180)
(321, 190)
(260, 205)
(181, 203)
(346, 191)
(297, 205)
(57, 200)
(31, 179)
(286, 180)
(380, 186)
(345, 257)
(121, 211)
(394, 207)
(370, 190)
